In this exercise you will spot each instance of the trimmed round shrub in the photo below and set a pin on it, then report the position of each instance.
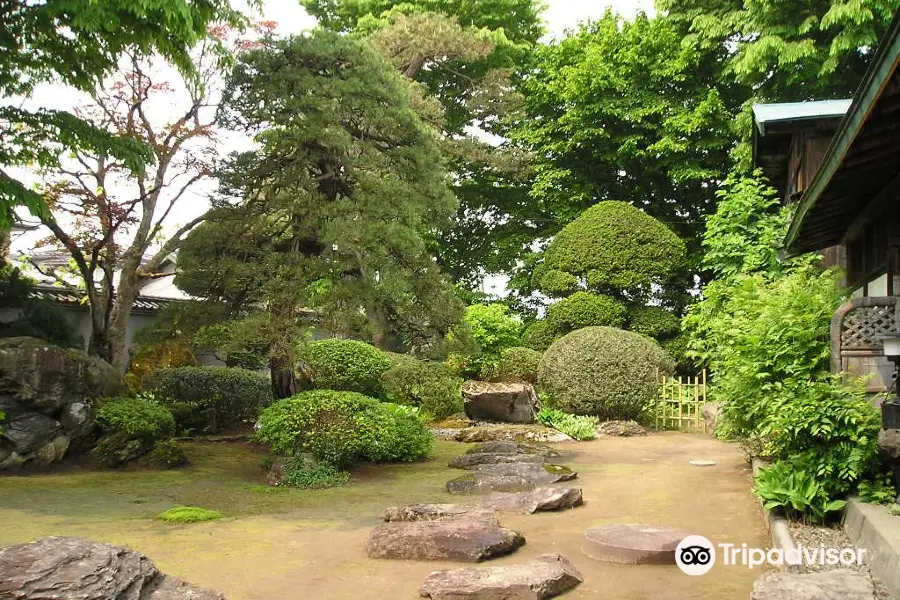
(137, 418)
(519, 363)
(432, 387)
(612, 245)
(218, 397)
(168, 454)
(539, 336)
(654, 321)
(603, 372)
(345, 365)
(342, 427)
(584, 309)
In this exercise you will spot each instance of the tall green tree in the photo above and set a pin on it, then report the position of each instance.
(77, 44)
(787, 51)
(333, 205)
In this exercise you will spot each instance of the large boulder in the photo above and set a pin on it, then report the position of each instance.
(539, 474)
(77, 569)
(46, 394)
(889, 442)
(842, 584)
(547, 576)
(462, 540)
(503, 402)
(541, 499)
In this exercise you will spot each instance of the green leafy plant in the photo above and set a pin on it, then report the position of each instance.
(137, 418)
(539, 336)
(303, 474)
(345, 365)
(169, 454)
(584, 309)
(493, 328)
(575, 426)
(519, 363)
(207, 399)
(188, 514)
(431, 387)
(789, 487)
(879, 490)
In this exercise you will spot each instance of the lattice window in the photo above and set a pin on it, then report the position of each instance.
(863, 327)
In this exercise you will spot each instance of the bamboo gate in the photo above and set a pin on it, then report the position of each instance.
(680, 403)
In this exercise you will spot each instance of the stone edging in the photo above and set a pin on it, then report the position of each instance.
(872, 527)
(777, 525)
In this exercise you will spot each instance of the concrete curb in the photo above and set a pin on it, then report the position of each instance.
(778, 526)
(873, 527)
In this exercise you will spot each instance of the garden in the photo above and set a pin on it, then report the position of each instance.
(246, 326)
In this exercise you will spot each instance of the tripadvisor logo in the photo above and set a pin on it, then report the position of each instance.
(695, 555)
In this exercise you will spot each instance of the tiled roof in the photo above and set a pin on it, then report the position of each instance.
(70, 297)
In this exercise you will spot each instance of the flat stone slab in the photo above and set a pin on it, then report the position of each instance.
(462, 540)
(440, 512)
(620, 429)
(541, 499)
(702, 463)
(633, 544)
(545, 577)
(471, 461)
(513, 447)
(540, 474)
(476, 482)
(842, 584)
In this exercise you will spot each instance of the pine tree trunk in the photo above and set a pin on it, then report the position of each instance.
(284, 384)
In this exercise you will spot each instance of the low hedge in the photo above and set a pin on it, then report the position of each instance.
(432, 387)
(131, 427)
(345, 365)
(207, 399)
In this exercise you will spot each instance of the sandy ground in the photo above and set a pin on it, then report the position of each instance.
(309, 545)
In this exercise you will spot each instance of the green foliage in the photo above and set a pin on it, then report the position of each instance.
(222, 396)
(342, 427)
(169, 454)
(77, 44)
(575, 426)
(794, 490)
(493, 328)
(539, 336)
(519, 363)
(615, 249)
(308, 475)
(785, 54)
(654, 321)
(431, 387)
(584, 309)
(188, 514)
(604, 372)
(347, 365)
(136, 418)
(39, 318)
(880, 490)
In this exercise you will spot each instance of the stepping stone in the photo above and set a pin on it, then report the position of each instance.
(462, 540)
(539, 474)
(703, 463)
(470, 461)
(547, 576)
(633, 544)
(841, 584)
(541, 499)
(620, 429)
(485, 483)
(512, 447)
(440, 512)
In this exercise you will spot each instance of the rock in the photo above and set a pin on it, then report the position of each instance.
(504, 402)
(633, 544)
(12, 462)
(841, 584)
(440, 512)
(76, 421)
(711, 412)
(541, 499)
(30, 431)
(77, 569)
(547, 576)
(470, 461)
(118, 449)
(485, 483)
(620, 429)
(539, 474)
(513, 447)
(889, 442)
(275, 476)
(463, 540)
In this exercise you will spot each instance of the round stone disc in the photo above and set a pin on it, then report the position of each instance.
(703, 463)
(633, 544)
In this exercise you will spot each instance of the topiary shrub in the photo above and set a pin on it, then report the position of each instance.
(584, 309)
(342, 427)
(168, 454)
(345, 365)
(217, 397)
(432, 387)
(654, 321)
(539, 336)
(493, 328)
(604, 372)
(519, 363)
(131, 427)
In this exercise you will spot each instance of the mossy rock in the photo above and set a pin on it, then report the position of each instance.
(188, 514)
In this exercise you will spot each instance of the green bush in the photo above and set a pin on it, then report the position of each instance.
(430, 386)
(219, 396)
(539, 336)
(308, 475)
(575, 426)
(584, 309)
(603, 372)
(136, 418)
(345, 365)
(654, 321)
(168, 453)
(519, 363)
(493, 328)
(188, 514)
(342, 427)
